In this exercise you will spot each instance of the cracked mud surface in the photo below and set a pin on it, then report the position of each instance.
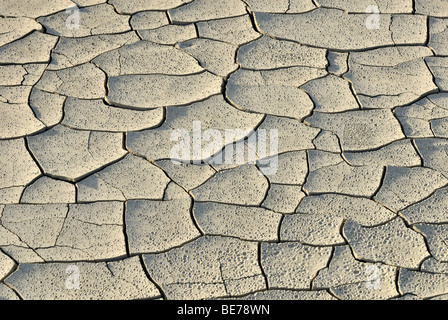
(93, 204)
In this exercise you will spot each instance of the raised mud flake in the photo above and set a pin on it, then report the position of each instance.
(152, 144)
(400, 153)
(269, 53)
(360, 130)
(282, 295)
(16, 28)
(33, 8)
(15, 173)
(431, 210)
(46, 190)
(315, 230)
(130, 178)
(244, 185)
(443, 297)
(392, 243)
(12, 75)
(390, 56)
(145, 57)
(70, 52)
(96, 115)
(293, 135)
(405, 186)
(351, 279)
(205, 269)
(319, 159)
(22, 253)
(155, 226)
(8, 238)
(213, 113)
(146, 20)
(158, 90)
(327, 141)
(6, 293)
(337, 62)
(34, 73)
(415, 127)
(87, 3)
(18, 120)
(35, 47)
(169, 34)
(287, 168)
(417, 119)
(283, 198)
(215, 56)
(200, 10)
(344, 179)
(336, 97)
(235, 30)
(440, 101)
(15, 94)
(423, 284)
(36, 225)
(292, 265)
(281, 6)
(6, 265)
(47, 107)
(235, 155)
(72, 154)
(435, 8)
(85, 81)
(16, 81)
(434, 266)
(437, 238)
(438, 29)
(440, 127)
(408, 297)
(93, 20)
(246, 223)
(123, 279)
(403, 72)
(273, 92)
(61, 232)
(434, 154)
(357, 6)
(90, 232)
(11, 195)
(363, 211)
(334, 29)
(128, 7)
(438, 66)
(213, 122)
